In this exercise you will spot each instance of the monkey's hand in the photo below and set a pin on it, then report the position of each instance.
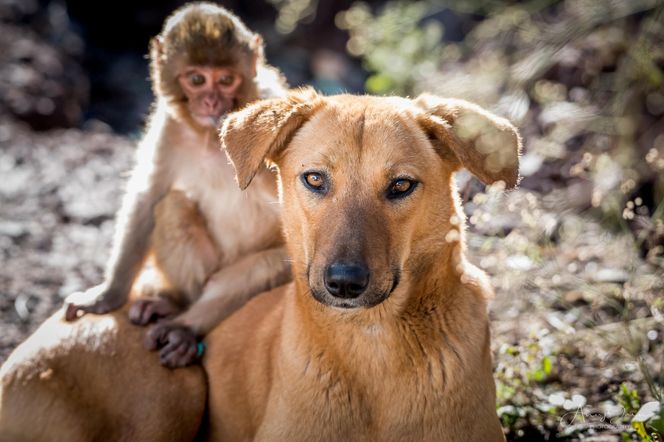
(98, 299)
(144, 311)
(178, 344)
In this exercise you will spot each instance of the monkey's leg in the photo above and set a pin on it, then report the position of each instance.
(183, 252)
(225, 292)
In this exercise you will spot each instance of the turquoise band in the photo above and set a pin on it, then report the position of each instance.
(200, 349)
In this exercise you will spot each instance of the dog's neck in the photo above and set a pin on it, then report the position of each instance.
(423, 344)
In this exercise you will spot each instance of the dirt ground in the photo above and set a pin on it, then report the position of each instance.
(58, 195)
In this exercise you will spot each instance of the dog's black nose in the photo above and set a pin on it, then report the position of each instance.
(346, 280)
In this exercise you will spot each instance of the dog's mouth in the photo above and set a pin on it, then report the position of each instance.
(370, 298)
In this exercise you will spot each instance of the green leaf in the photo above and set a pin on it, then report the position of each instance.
(547, 365)
(641, 430)
(657, 424)
(378, 84)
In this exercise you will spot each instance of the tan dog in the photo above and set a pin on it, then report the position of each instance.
(383, 335)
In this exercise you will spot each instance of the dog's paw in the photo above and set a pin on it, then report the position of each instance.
(178, 345)
(144, 311)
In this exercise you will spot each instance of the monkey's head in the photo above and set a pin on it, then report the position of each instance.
(204, 62)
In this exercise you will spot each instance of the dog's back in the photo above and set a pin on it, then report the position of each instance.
(94, 380)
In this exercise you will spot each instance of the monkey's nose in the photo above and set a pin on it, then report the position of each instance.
(211, 103)
(346, 280)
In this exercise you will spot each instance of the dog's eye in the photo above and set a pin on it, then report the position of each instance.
(400, 188)
(315, 181)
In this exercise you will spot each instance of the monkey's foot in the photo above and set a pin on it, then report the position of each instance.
(178, 344)
(144, 311)
(98, 300)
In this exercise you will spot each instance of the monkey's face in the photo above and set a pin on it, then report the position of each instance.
(210, 92)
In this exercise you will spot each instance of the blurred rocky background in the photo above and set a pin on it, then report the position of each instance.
(576, 254)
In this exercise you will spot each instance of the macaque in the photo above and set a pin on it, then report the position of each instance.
(213, 246)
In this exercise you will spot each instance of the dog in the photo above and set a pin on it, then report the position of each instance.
(383, 333)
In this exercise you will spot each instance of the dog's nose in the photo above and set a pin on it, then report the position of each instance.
(346, 280)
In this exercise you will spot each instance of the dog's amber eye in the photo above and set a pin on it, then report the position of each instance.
(400, 188)
(196, 79)
(315, 181)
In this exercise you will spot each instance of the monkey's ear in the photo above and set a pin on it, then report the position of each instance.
(156, 48)
(257, 53)
(485, 144)
(261, 131)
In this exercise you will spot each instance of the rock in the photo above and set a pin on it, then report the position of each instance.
(519, 262)
(12, 229)
(611, 275)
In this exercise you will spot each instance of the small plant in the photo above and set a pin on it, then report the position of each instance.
(520, 371)
(649, 421)
(628, 398)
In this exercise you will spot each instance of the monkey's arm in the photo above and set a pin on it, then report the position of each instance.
(231, 287)
(149, 182)
(226, 291)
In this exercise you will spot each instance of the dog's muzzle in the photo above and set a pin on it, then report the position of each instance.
(348, 285)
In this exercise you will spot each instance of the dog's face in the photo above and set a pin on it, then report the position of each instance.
(356, 181)
(366, 184)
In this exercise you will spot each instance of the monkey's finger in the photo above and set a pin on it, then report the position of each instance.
(148, 312)
(170, 355)
(183, 356)
(73, 312)
(156, 337)
(136, 312)
(190, 355)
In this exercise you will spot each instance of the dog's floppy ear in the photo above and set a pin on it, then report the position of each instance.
(260, 131)
(485, 144)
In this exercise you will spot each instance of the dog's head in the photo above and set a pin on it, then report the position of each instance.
(366, 182)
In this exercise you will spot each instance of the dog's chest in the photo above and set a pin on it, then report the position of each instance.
(378, 400)
(344, 412)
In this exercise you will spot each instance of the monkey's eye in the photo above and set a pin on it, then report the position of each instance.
(196, 79)
(400, 188)
(315, 181)
(226, 80)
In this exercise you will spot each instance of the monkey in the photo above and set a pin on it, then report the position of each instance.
(212, 246)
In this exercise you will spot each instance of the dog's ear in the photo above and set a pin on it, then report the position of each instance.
(260, 131)
(485, 144)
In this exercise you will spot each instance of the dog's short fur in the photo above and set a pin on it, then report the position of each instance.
(406, 359)
(92, 380)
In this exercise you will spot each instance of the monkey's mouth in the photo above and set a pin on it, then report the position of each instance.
(207, 120)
